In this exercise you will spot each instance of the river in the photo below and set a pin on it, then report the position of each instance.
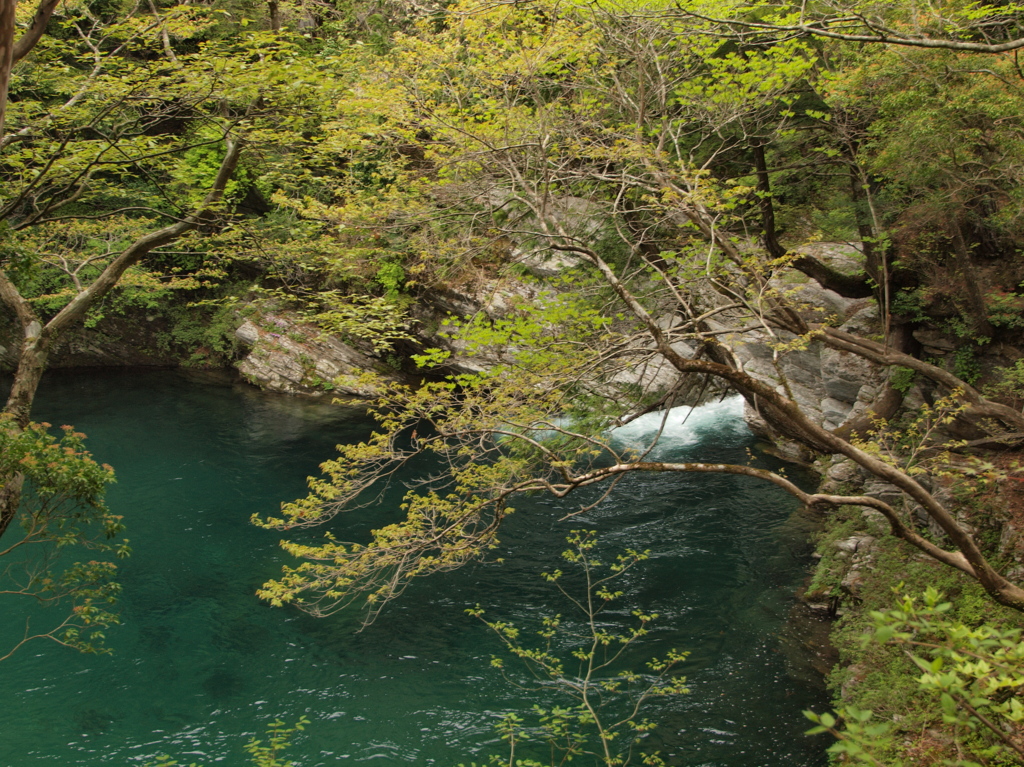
(200, 665)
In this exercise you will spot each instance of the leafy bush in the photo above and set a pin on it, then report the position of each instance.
(63, 511)
(972, 677)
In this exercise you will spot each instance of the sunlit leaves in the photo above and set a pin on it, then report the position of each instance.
(579, 660)
(485, 438)
(62, 509)
(975, 675)
(376, 320)
(106, 145)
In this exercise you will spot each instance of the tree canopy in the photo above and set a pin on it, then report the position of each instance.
(655, 179)
(655, 150)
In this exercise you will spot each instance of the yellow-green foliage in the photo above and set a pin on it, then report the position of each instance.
(591, 708)
(970, 678)
(64, 515)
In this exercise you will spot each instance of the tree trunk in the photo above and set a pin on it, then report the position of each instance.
(37, 337)
(764, 193)
(976, 311)
(31, 364)
(32, 357)
(7, 8)
(11, 52)
(10, 499)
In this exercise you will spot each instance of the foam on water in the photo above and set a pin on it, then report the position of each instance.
(684, 427)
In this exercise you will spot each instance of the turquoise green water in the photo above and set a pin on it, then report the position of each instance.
(200, 664)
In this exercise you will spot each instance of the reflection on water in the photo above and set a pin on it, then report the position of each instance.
(200, 665)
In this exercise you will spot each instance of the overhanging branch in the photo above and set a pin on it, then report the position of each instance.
(881, 35)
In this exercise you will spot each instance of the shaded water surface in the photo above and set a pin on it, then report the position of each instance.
(200, 665)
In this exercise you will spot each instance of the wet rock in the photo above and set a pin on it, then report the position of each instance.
(855, 543)
(843, 471)
(247, 334)
(934, 341)
(853, 582)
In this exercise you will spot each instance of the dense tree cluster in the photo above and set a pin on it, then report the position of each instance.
(681, 158)
(351, 159)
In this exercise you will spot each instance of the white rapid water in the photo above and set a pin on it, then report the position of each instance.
(684, 427)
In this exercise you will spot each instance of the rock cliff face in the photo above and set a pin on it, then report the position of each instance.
(437, 313)
(832, 387)
(114, 342)
(277, 351)
(282, 354)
